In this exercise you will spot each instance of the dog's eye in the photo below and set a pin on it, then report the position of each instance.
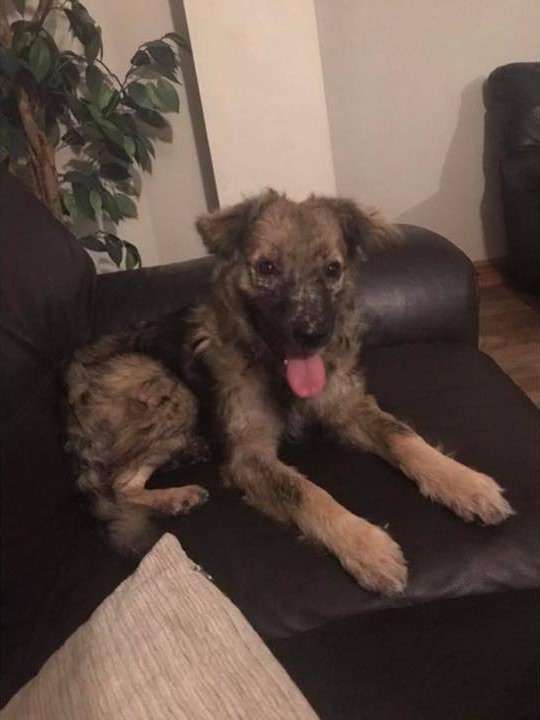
(333, 270)
(266, 268)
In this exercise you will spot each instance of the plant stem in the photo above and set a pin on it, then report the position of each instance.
(120, 84)
(42, 164)
(42, 10)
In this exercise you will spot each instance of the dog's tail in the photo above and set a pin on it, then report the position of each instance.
(132, 529)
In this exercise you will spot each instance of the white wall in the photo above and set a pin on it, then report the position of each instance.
(259, 73)
(403, 84)
(173, 195)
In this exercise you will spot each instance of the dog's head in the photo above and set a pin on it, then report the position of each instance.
(292, 265)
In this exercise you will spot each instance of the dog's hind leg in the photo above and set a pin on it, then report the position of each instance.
(358, 420)
(129, 486)
(127, 417)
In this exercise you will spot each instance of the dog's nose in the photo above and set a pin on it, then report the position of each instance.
(309, 339)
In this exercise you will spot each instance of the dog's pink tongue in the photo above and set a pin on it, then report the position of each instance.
(306, 376)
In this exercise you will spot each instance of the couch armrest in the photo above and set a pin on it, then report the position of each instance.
(423, 290)
(122, 298)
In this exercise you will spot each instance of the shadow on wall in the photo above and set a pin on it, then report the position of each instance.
(455, 205)
(195, 108)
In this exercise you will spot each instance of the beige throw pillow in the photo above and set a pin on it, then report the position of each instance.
(167, 644)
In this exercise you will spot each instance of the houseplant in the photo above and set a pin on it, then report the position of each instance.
(57, 100)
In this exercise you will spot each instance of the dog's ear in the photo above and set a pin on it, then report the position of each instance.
(223, 231)
(365, 232)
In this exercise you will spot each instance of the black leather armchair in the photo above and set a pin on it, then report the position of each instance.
(460, 644)
(513, 115)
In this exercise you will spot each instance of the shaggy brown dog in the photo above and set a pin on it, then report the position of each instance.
(279, 337)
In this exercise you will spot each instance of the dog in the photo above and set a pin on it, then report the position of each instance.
(279, 338)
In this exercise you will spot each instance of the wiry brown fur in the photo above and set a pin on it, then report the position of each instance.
(129, 414)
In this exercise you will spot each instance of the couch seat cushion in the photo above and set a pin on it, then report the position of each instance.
(451, 394)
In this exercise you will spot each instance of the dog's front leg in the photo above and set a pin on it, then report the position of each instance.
(281, 492)
(358, 420)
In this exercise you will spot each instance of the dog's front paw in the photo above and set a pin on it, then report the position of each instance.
(370, 555)
(477, 496)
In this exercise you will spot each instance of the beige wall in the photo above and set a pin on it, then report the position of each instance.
(173, 194)
(395, 110)
(403, 84)
(259, 73)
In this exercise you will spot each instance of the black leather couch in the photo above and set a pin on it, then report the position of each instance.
(513, 122)
(461, 644)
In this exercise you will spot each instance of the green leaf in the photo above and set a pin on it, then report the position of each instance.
(129, 146)
(82, 200)
(68, 202)
(112, 104)
(77, 27)
(19, 6)
(91, 242)
(151, 90)
(89, 180)
(95, 200)
(78, 108)
(140, 58)
(147, 144)
(80, 21)
(94, 80)
(55, 82)
(110, 206)
(104, 97)
(9, 62)
(126, 122)
(91, 132)
(178, 39)
(81, 14)
(117, 142)
(114, 171)
(126, 205)
(102, 121)
(168, 95)
(73, 137)
(151, 117)
(53, 134)
(95, 112)
(118, 152)
(133, 259)
(93, 47)
(21, 35)
(85, 30)
(170, 75)
(142, 156)
(70, 73)
(128, 188)
(115, 248)
(39, 58)
(162, 55)
(137, 92)
(73, 56)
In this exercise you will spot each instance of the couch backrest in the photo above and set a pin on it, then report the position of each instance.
(513, 96)
(47, 287)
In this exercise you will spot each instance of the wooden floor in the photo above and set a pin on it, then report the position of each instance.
(509, 329)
